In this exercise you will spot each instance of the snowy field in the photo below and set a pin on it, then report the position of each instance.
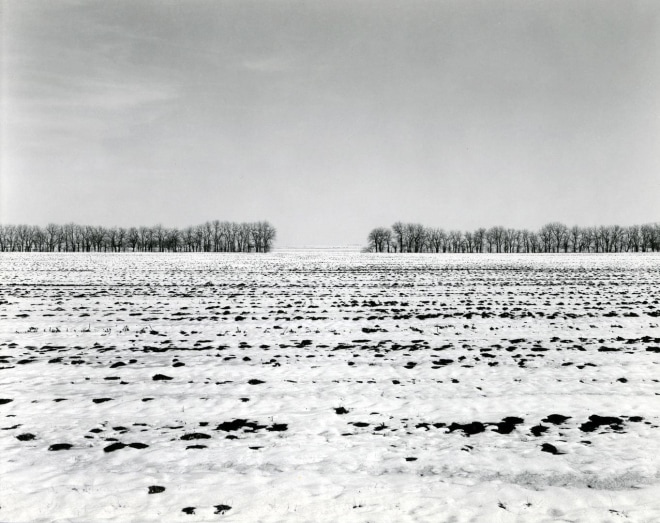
(315, 386)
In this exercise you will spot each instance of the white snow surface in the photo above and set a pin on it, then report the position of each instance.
(312, 386)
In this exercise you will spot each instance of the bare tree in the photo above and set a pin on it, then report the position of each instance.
(633, 238)
(511, 240)
(546, 236)
(24, 237)
(198, 238)
(554, 236)
(226, 231)
(53, 236)
(217, 235)
(647, 237)
(575, 235)
(655, 245)
(158, 234)
(379, 239)
(468, 238)
(455, 240)
(399, 230)
(243, 237)
(39, 239)
(535, 242)
(207, 237)
(525, 241)
(3, 237)
(479, 239)
(133, 238)
(416, 235)
(495, 237)
(617, 238)
(436, 239)
(121, 238)
(605, 236)
(270, 235)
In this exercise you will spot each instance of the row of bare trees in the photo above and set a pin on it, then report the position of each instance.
(215, 236)
(553, 237)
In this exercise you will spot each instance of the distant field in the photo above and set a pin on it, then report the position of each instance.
(315, 386)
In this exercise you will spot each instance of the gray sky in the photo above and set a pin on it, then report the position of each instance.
(330, 118)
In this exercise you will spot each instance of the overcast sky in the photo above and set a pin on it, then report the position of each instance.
(330, 118)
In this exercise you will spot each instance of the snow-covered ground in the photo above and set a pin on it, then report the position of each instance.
(311, 386)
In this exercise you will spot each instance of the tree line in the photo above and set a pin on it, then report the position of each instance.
(552, 237)
(214, 236)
